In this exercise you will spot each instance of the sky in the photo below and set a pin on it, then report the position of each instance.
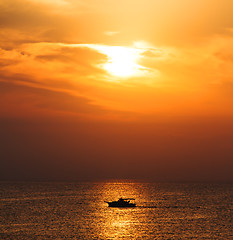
(136, 89)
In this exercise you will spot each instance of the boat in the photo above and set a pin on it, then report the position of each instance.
(122, 203)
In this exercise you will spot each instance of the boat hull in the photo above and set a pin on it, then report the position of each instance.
(121, 205)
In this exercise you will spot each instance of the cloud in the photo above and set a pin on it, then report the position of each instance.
(15, 96)
(76, 69)
(61, 3)
(7, 62)
(111, 33)
(51, 56)
(61, 50)
(23, 21)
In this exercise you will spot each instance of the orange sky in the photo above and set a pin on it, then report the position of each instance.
(150, 75)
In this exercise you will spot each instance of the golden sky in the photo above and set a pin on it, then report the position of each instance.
(142, 62)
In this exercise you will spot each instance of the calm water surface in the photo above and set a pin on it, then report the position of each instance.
(78, 211)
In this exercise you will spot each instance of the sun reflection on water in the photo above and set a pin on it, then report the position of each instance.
(78, 211)
(118, 223)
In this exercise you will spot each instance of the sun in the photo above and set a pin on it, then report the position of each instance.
(122, 61)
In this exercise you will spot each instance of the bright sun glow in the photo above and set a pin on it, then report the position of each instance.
(122, 61)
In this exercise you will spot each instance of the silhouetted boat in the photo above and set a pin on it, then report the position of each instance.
(122, 202)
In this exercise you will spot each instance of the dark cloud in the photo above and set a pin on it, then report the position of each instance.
(7, 62)
(26, 15)
(225, 55)
(27, 22)
(40, 98)
(12, 78)
(83, 60)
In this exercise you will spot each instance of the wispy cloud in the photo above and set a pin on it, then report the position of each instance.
(52, 2)
(111, 33)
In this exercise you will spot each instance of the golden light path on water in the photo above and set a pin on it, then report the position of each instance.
(119, 223)
(79, 211)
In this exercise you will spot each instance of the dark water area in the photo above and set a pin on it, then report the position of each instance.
(78, 211)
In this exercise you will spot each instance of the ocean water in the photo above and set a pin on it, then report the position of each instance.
(78, 211)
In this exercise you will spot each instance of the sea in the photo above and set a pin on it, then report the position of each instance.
(58, 210)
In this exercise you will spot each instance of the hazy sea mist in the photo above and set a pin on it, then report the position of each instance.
(78, 211)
